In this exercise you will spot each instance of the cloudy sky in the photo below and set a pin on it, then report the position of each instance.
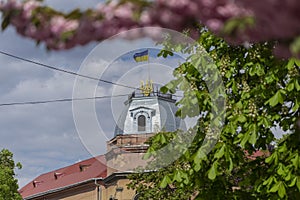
(45, 137)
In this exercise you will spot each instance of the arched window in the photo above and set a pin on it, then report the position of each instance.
(141, 123)
(136, 197)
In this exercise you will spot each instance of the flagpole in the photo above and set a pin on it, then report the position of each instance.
(149, 78)
(141, 57)
(148, 65)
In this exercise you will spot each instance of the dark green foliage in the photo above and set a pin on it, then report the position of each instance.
(261, 93)
(8, 183)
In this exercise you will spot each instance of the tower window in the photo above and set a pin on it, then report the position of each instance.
(141, 123)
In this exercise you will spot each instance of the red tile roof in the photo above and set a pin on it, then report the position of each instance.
(259, 153)
(78, 172)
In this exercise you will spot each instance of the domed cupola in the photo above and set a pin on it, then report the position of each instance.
(148, 111)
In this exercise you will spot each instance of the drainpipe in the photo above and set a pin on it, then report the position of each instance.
(99, 190)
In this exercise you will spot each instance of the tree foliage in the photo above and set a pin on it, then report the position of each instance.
(8, 182)
(262, 93)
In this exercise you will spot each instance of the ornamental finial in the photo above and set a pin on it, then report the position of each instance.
(146, 88)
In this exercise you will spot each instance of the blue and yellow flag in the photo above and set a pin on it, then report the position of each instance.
(141, 56)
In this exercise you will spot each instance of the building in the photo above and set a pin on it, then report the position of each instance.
(105, 177)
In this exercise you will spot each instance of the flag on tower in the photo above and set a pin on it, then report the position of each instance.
(141, 56)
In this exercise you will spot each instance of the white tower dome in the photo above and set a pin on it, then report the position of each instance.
(149, 113)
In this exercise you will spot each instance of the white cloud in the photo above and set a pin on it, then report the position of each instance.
(36, 134)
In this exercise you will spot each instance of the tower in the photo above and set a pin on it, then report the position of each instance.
(105, 177)
(145, 113)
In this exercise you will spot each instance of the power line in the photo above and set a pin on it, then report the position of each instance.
(64, 71)
(59, 100)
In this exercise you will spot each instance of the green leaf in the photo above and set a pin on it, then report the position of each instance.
(290, 64)
(265, 122)
(242, 118)
(272, 158)
(298, 183)
(163, 139)
(282, 149)
(177, 176)
(230, 165)
(293, 182)
(252, 139)
(149, 153)
(245, 139)
(212, 172)
(288, 177)
(252, 71)
(290, 86)
(297, 85)
(197, 167)
(297, 62)
(295, 161)
(280, 170)
(281, 190)
(230, 26)
(268, 181)
(164, 89)
(275, 187)
(220, 153)
(228, 74)
(239, 105)
(66, 35)
(199, 156)
(295, 46)
(166, 180)
(240, 23)
(5, 22)
(234, 87)
(160, 53)
(260, 71)
(296, 106)
(75, 14)
(277, 98)
(186, 180)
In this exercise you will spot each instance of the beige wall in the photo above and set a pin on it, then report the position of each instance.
(89, 191)
(125, 194)
(126, 162)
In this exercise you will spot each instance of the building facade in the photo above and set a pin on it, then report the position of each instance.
(105, 177)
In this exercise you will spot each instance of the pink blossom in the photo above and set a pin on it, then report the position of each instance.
(59, 25)
(29, 6)
(145, 18)
(274, 20)
(124, 11)
(229, 10)
(214, 25)
(31, 31)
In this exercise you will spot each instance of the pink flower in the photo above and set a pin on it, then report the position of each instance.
(125, 11)
(59, 25)
(214, 24)
(29, 6)
(229, 10)
(145, 18)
